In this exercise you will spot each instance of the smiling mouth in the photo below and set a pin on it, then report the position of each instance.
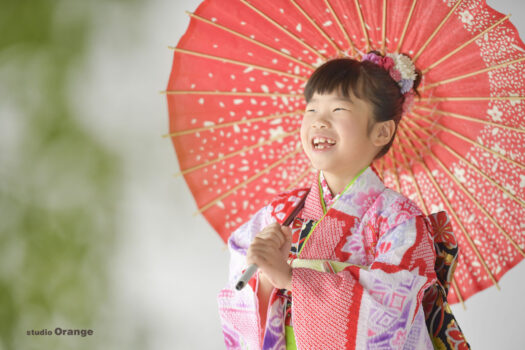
(322, 142)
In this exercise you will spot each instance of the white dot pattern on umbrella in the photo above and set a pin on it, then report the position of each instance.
(246, 106)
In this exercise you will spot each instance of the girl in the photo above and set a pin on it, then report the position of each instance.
(352, 269)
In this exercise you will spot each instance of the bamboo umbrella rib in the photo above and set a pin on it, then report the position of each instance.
(458, 293)
(237, 122)
(256, 42)
(416, 185)
(381, 165)
(460, 224)
(438, 28)
(407, 22)
(472, 119)
(229, 93)
(474, 168)
(450, 131)
(233, 154)
(363, 26)
(427, 211)
(287, 32)
(246, 182)
(245, 64)
(299, 178)
(484, 70)
(480, 207)
(394, 168)
(459, 48)
(319, 29)
(342, 28)
(405, 163)
(383, 30)
(472, 98)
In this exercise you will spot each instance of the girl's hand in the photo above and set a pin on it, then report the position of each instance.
(269, 251)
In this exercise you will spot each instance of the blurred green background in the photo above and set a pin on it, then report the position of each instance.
(58, 184)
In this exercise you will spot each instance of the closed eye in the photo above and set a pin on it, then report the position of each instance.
(340, 109)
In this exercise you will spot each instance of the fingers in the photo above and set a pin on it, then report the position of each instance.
(273, 233)
(261, 251)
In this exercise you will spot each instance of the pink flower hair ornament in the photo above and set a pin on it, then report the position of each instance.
(401, 69)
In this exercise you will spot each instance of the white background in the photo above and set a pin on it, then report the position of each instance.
(170, 264)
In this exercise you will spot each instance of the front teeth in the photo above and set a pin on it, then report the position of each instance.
(322, 143)
(318, 140)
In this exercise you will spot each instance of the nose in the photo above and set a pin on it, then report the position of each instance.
(320, 123)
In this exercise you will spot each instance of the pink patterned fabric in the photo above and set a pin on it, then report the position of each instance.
(327, 193)
(378, 307)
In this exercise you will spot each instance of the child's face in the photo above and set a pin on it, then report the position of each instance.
(342, 123)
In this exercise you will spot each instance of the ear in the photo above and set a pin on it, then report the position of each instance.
(382, 133)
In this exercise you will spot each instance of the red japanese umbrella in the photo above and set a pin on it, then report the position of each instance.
(235, 106)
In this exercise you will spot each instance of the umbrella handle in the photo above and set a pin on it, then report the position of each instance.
(246, 276)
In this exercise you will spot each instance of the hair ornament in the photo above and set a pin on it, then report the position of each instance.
(399, 66)
(401, 69)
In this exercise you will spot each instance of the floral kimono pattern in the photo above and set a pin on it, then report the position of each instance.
(374, 302)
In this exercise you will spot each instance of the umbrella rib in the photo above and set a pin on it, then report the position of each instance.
(471, 98)
(459, 48)
(472, 119)
(342, 28)
(438, 28)
(464, 138)
(237, 122)
(244, 183)
(458, 293)
(453, 280)
(476, 202)
(418, 190)
(223, 59)
(381, 165)
(319, 29)
(266, 17)
(363, 27)
(473, 167)
(396, 176)
(242, 150)
(407, 22)
(460, 224)
(256, 42)
(383, 30)
(488, 69)
(299, 178)
(228, 93)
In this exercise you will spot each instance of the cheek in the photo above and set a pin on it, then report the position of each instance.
(303, 139)
(304, 131)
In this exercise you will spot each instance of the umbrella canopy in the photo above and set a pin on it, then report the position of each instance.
(235, 105)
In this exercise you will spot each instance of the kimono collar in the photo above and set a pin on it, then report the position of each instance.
(354, 201)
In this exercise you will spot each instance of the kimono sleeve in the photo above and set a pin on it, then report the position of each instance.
(361, 308)
(238, 310)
